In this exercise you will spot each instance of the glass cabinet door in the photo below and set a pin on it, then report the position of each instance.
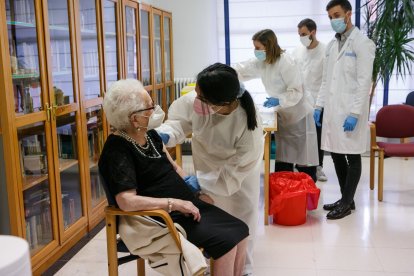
(70, 183)
(157, 48)
(61, 52)
(94, 117)
(24, 56)
(167, 48)
(90, 53)
(34, 171)
(111, 38)
(145, 29)
(170, 95)
(158, 98)
(131, 42)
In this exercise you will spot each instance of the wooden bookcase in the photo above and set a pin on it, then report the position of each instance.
(57, 58)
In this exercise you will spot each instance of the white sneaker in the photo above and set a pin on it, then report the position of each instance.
(320, 175)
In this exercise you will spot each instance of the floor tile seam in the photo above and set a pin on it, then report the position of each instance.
(379, 259)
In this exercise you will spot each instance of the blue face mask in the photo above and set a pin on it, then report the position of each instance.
(260, 54)
(338, 25)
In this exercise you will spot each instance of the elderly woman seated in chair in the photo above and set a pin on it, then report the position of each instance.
(142, 176)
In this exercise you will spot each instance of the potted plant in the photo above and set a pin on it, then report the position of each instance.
(390, 24)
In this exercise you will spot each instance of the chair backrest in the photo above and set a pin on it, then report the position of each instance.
(395, 121)
(410, 98)
(109, 197)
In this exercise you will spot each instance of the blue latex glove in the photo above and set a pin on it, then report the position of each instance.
(350, 123)
(164, 137)
(271, 102)
(192, 183)
(317, 117)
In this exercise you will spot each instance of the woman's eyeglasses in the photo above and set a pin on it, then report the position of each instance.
(141, 110)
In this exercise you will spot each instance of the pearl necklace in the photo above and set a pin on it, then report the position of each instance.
(139, 148)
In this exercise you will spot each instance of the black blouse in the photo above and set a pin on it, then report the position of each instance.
(124, 168)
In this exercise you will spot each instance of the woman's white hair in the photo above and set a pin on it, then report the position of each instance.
(122, 98)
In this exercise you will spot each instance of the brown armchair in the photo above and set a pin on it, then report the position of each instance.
(392, 121)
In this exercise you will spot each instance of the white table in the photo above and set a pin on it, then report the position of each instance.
(14, 256)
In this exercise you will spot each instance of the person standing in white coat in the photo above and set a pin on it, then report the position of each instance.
(296, 139)
(344, 95)
(227, 143)
(310, 57)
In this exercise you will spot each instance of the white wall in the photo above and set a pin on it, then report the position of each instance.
(195, 34)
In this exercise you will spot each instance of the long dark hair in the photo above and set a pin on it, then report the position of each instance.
(220, 85)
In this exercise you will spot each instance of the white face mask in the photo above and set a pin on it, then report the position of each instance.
(156, 118)
(306, 40)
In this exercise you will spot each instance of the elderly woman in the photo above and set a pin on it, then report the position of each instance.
(142, 176)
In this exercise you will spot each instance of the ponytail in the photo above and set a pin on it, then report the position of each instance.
(246, 101)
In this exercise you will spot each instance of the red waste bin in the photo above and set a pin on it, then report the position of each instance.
(291, 194)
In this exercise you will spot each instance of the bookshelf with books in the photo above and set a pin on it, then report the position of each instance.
(162, 58)
(95, 140)
(57, 58)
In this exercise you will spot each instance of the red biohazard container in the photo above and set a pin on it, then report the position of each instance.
(291, 194)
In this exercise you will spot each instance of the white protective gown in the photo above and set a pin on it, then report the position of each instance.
(311, 65)
(345, 90)
(227, 158)
(296, 135)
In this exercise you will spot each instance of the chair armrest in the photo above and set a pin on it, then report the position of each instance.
(114, 211)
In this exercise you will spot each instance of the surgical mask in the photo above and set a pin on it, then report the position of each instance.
(338, 25)
(260, 54)
(202, 108)
(156, 118)
(306, 40)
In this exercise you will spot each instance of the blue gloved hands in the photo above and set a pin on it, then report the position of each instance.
(350, 123)
(317, 117)
(271, 102)
(192, 183)
(164, 137)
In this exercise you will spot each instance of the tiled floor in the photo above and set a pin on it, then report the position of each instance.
(376, 240)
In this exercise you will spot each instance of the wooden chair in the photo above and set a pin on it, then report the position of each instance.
(392, 121)
(116, 245)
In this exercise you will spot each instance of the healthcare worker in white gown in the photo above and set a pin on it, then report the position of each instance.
(344, 96)
(227, 143)
(296, 140)
(310, 58)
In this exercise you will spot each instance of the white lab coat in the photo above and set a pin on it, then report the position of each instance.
(227, 158)
(296, 135)
(344, 91)
(311, 65)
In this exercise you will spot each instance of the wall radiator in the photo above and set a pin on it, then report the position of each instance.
(180, 83)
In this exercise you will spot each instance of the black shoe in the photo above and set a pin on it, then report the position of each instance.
(330, 207)
(339, 212)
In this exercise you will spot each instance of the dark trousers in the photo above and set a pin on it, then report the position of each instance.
(348, 170)
(282, 166)
(319, 134)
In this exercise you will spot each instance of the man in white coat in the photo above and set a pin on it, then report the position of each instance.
(310, 57)
(344, 95)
